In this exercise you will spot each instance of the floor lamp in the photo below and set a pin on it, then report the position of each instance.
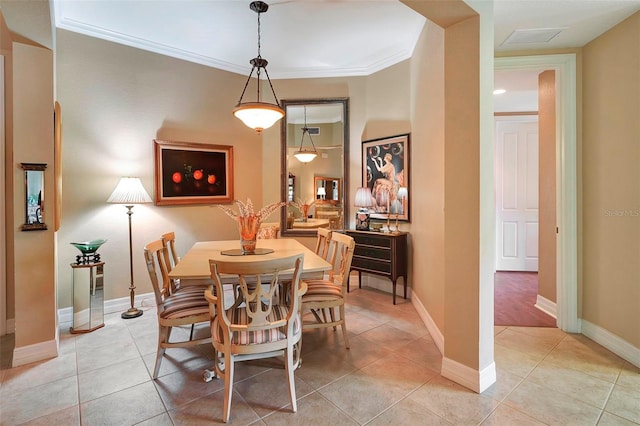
(129, 192)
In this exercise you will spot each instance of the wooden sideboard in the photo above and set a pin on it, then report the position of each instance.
(380, 254)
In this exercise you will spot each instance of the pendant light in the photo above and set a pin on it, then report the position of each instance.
(306, 155)
(258, 115)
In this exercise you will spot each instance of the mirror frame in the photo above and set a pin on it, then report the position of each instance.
(317, 179)
(39, 225)
(344, 190)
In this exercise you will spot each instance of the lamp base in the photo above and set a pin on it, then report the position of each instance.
(131, 313)
(362, 220)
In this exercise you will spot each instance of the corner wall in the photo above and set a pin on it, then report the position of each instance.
(35, 290)
(611, 189)
(547, 236)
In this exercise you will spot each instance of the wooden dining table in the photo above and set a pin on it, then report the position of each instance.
(195, 262)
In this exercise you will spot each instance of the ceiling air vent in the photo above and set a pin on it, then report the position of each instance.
(538, 35)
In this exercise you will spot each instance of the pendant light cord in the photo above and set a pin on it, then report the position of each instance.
(305, 129)
(259, 63)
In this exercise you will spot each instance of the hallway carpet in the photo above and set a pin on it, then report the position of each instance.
(515, 299)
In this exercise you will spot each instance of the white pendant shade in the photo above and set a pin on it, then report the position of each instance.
(258, 115)
(129, 191)
(305, 156)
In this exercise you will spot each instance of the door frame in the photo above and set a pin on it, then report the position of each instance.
(566, 178)
(3, 220)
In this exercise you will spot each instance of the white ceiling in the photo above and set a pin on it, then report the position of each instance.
(320, 38)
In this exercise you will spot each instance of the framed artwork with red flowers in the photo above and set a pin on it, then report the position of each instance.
(192, 173)
(385, 171)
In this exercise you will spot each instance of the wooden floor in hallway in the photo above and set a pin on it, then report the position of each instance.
(515, 299)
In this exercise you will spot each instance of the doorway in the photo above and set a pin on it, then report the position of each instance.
(566, 178)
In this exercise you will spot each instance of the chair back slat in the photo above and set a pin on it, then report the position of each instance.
(342, 247)
(322, 243)
(171, 257)
(155, 258)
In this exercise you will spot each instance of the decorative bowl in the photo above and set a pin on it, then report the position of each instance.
(88, 247)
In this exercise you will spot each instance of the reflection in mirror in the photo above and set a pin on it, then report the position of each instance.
(319, 186)
(327, 190)
(34, 196)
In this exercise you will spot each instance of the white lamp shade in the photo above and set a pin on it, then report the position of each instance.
(305, 156)
(363, 198)
(258, 115)
(322, 191)
(129, 191)
(402, 192)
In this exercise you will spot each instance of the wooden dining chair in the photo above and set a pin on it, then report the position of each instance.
(174, 309)
(256, 326)
(322, 243)
(268, 232)
(330, 292)
(172, 259)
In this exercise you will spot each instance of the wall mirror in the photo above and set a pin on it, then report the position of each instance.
(328, 124)
(34, 196)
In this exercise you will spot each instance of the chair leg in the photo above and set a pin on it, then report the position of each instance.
(228, 386)
(290, 368)
(344, 327)
(163, 337)
(332, 313)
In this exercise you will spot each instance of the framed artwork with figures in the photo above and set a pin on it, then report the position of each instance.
(385, 171)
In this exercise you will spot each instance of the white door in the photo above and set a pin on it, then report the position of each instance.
(516, 180)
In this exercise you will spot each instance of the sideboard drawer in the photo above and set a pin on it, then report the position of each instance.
(372, 240)
(367, 264)
(374, 252)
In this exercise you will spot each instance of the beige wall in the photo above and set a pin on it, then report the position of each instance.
(611, 181)
(461, 194)
(115, 100)
(6, 49)
(34, 275)
(427, 174)
(547, 185)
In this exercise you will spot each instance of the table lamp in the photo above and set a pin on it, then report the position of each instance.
(129, 192)
(384, 199)
(364, 200)
(322, 193)
(402, 194)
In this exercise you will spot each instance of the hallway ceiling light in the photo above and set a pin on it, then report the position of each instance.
(258, 115)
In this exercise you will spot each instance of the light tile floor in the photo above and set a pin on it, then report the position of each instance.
(390, 376)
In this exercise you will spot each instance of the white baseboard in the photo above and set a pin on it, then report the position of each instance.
(615, 344)
(477, 381)
(434, 331)
(36, 352)
(546, 306)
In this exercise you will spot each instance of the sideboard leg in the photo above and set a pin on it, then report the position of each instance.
(404, 282)
(394, 291)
